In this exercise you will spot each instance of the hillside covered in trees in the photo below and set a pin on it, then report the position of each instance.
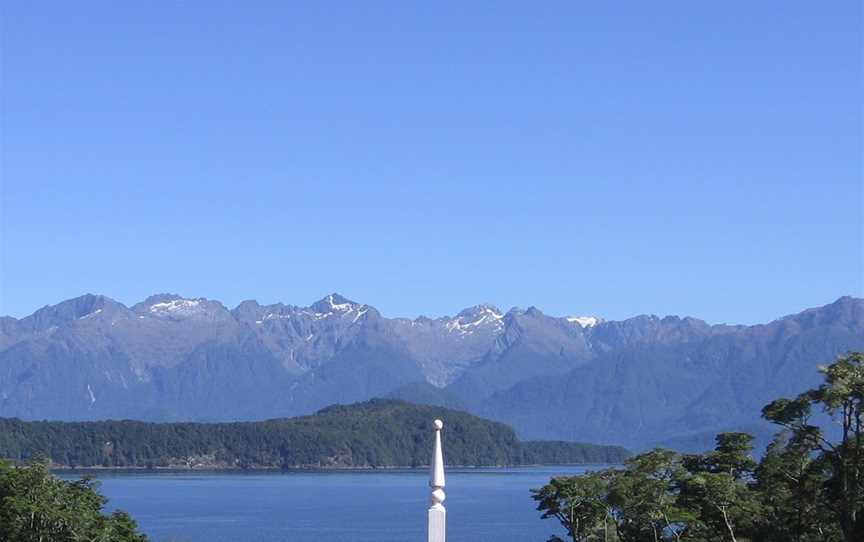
(376, 433)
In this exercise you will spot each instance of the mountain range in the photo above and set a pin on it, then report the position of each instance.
(638, 382)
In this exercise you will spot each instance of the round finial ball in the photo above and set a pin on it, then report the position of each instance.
(438, 424)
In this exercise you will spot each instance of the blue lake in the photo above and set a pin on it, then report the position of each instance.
(368, 506)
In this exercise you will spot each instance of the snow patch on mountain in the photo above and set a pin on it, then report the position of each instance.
(335, 305)
(584, 321)
(92, 314)
(340, 307)
(177, 306)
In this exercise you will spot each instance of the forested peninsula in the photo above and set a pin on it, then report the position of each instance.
(373, 434)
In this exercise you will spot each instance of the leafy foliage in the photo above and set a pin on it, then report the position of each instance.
(377, 433)
(806, 488)
(36, 506)
(578, 503)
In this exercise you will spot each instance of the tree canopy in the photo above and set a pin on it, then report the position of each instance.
(807, 487)
(36, 506)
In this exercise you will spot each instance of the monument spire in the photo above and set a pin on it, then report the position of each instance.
(437, 513)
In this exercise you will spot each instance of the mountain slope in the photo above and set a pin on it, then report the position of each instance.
(646, 394)
(635, 382)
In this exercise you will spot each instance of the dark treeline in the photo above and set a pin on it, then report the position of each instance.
(377, 433)
(808, 487)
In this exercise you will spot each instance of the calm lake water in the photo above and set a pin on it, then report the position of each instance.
(365, 506)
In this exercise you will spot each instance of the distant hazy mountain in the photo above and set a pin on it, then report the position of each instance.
(636, 382)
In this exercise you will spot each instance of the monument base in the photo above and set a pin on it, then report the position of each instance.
(437, 525)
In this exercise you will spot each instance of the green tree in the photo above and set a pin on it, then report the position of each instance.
(35, 506)
(640, 502)
(808, 487)
(644, 499)
(842, 397)
(577, 502)
(717, 488)
(790, 484)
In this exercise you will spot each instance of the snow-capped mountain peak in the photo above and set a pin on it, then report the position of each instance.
(176, 306)
(473, 318)
(339, 304)
(334, 303)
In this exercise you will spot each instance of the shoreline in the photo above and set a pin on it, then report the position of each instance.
(309, 469)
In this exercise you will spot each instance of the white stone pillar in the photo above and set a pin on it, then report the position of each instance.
(437, 514)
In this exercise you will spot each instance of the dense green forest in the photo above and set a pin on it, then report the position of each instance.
(376, 433)
(808, 487)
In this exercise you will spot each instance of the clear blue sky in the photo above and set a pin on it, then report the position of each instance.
(700, 158)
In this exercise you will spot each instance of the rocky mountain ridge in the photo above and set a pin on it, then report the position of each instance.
(634, 382)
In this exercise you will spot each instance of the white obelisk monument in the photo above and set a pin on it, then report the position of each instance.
(437, 513)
